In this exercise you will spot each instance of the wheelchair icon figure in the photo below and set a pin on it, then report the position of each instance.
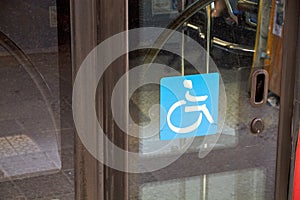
(202, 109)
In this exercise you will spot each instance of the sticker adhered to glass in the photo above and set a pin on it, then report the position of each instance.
(189, 106)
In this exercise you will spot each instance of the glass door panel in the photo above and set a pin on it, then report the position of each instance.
(29, 120)
(248, 183)
(239, 160)
(36, 137)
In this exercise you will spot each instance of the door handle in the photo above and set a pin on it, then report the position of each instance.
(259, 87)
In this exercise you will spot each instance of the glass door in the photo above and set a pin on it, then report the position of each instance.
(36, 137)
(179, 99)
(237, 158)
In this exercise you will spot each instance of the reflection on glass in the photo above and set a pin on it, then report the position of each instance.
(232, 48)
(29, 84)
(244, 184)
(232, 51)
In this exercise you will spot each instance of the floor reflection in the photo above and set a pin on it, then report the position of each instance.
(244, 184)
(29, 137)
(36, 148)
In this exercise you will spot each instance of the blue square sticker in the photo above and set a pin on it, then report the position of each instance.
(189, 106)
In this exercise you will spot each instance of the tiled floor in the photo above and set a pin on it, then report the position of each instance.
(36, 138)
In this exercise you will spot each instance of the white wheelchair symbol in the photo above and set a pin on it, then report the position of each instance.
(201, 108)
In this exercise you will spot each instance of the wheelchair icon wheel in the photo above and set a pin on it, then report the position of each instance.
(182, 130)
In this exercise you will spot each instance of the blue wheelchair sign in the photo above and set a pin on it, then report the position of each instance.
(189, 106)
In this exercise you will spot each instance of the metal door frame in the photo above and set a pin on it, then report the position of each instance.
(291, 48)
(91, 23)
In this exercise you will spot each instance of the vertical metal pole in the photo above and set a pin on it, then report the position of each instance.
(208, 40)
(182, 53)
(182, 42)
(204, 187)
(208, 35)
(182, 142)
